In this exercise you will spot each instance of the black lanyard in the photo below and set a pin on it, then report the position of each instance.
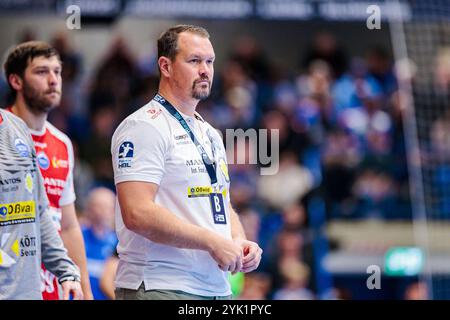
(210, 167)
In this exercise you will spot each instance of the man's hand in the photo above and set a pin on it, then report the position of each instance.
(227, 254)
(252, 255)
(73, 287)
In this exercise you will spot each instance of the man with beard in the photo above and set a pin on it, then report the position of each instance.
(33, 71)
(178, 233)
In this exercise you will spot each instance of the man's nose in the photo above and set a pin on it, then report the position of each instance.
(204, 69)
(52, 79)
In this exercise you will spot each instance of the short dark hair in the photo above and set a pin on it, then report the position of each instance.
(20, 56)
(168, 41)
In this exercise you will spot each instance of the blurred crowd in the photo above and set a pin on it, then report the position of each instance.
(342, 148)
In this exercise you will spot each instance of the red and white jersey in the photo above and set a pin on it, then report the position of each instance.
(56, 161)
(54, 153)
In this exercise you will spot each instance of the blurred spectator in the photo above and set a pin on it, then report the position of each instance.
(251, 222)
(115, 79)
(285, 95)
(257, 286)
(325, 47)
(440, 137)
(289, 246)
(27, 34)
(245, 174)
(442, 71)
(416, 291)
(379, 65)
(97, 150)
(289, 140)
(296, 277)
(5, 93)
(249, 54)
(247, 51)
(356, 88)
(398, 167)
(294, 217)
(71, 116)
(145, 90)
(99, 235)
(235, 105)
(375, 195)
(290, 183)
(83, 178)
(316, 105)
(439, 164)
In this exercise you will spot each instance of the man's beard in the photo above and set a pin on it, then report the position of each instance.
(37, 102)
(201, 94)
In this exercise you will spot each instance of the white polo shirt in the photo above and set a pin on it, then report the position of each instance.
(150, 145)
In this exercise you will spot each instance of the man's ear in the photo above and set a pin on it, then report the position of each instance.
(15, 81)
(165, 66)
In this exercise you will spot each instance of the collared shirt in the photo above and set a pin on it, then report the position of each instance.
(151, 146)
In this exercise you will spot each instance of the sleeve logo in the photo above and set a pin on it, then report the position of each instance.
(126, 152)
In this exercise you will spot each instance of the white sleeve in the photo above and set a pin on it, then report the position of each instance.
(68, 193)
(138, 151)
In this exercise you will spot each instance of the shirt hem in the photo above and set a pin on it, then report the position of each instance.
(165, 287)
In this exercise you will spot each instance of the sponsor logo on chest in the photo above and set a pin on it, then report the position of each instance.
(59, 163)
(43, 161)
(54, 187)
(182, 139)
(17, 212)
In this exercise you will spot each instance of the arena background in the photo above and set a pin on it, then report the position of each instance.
(363, 114)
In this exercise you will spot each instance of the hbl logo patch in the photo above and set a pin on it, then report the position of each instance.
(126, 152)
